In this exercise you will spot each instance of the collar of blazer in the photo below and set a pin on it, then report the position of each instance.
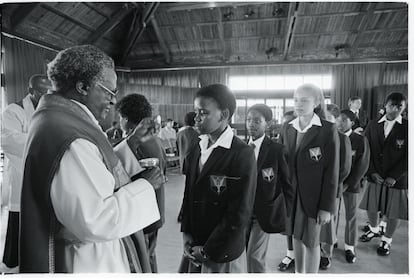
(307, 138)
(264, 148)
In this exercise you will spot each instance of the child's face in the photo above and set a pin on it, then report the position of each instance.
(209, 116)
(305, 102)
(255, 124)
(344, 123)
(355, 104)
(394, 109)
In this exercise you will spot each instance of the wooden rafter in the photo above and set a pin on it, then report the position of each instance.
(46, 45)
(108, 25)
(138, 30)
(293, 10)
(238, 21)
(161, 40)
(67, 17)
(209, 5)
(355, 13)
(226, 52)
(21, 13)
(339, 33)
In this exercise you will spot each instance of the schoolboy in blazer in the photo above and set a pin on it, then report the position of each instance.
(388, 171)
(352, 184)
(220, 187)
(274, 193)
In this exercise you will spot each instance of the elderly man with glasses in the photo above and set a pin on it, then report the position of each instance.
(83, 204)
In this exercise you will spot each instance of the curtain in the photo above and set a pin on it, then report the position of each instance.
(363, 80)
(22, 60)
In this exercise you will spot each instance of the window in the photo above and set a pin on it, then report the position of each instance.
(278, 82)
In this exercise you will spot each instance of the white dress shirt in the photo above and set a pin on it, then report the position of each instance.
(314, 121)
(258, 143)
(225, 140)
(13, 139)
(388, 125)
(348, 133)
(96, 218)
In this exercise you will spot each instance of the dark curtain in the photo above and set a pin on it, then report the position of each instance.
(363, 80)
(22, 60)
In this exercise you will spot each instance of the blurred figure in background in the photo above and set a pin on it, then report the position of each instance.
(361, 120)
(168, 136)
(16, 119)
(133, 109)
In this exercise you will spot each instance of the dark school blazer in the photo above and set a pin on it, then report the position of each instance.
(360, 163)
(274, 192)
(316, 166)
(345, 161)
(389, 157)
(361, 120)
(218, 202)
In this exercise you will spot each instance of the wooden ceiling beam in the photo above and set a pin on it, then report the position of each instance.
(161, 40)
(67, 17)
(292, 14)
(208, 5)
(24, 37)
(238, 21)
(108, 25)
(351, 32)
(355, 13)
(138, 30)
(21, 13)
(226, 50)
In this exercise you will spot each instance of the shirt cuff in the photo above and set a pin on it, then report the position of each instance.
(128, 159)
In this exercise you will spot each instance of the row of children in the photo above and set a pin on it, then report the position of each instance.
(230, 207)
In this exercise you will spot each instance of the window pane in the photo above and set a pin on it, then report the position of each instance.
(293, 81)
(252, 101)
(313, 79)
(237, 83)
(326, 81)
(327, 101)
(276, 105)
(256, 83)
(275, 82)
(289, 104)
(239, 115)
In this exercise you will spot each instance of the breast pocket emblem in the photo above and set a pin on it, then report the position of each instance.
(399, 143)
(353, 152)
(218, 184)
(315, 154)
(268, 174)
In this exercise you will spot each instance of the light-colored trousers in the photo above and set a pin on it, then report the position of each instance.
(350, 202)
(257, 249)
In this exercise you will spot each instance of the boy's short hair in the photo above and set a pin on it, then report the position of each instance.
(395, 97)
(221, 94)
(135, 107)
(353, 98)
(351, 115)
(333, 109)
(262, 109)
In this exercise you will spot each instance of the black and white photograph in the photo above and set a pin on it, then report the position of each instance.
(205, 137)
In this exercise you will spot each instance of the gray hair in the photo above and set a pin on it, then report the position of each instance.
(84, 63)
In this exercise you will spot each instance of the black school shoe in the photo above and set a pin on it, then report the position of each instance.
(350, 256)
(283, 267)
(367, 236)
(384, 249)
(325, 263)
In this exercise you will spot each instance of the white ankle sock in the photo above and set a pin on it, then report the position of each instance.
(374, 229)
(383, 224)
(290, 254)
(349, 247)
(386, 239)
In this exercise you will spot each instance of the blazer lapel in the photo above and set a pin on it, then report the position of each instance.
(308, 137)
(291, 139)
(214, 158)
(264, 148)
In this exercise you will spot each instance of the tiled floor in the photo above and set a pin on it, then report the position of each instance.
(169, 247)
